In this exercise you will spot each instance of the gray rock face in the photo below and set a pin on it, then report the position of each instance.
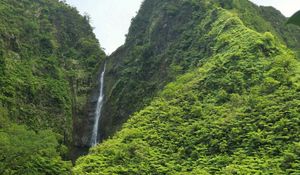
(84, 121)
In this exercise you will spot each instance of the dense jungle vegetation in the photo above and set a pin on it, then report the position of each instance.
(165, 40)
(199, 87)
(48, 59)
(210, 88)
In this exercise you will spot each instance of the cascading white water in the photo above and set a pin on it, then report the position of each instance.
(94, 139)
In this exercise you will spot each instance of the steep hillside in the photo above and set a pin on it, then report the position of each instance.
(265, 19)
(155, 51)
(235, 109)
(49, 59)
(295, 19)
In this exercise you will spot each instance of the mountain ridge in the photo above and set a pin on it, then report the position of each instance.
(148, 48)
(233, 108)
(49, 58)
(199, 87)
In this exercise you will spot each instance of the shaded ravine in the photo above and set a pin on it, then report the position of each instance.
(94, 138)
(87, 130)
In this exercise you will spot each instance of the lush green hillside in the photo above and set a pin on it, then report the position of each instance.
(211, 88)
(49, 59)
(295, 19)
(155, 50)
(265, 19)
(24, 151)
(234, 111)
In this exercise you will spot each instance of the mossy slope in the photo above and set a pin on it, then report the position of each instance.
(236, 113)
(165, 40)
(49, 59)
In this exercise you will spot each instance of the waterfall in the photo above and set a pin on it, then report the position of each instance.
(94, 139)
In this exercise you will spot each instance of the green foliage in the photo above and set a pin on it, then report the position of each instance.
(295, 19)
(264, 19)
(48, 59)
(232, 107)
(24, 151)
(237, 112)
(171, 37)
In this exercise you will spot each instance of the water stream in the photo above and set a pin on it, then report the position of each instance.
(94, 139)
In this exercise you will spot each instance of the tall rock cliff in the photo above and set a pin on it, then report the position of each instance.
(49, 59)
(164, 41)
(213, 88)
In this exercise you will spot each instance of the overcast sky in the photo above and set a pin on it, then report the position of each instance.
(111, 18)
